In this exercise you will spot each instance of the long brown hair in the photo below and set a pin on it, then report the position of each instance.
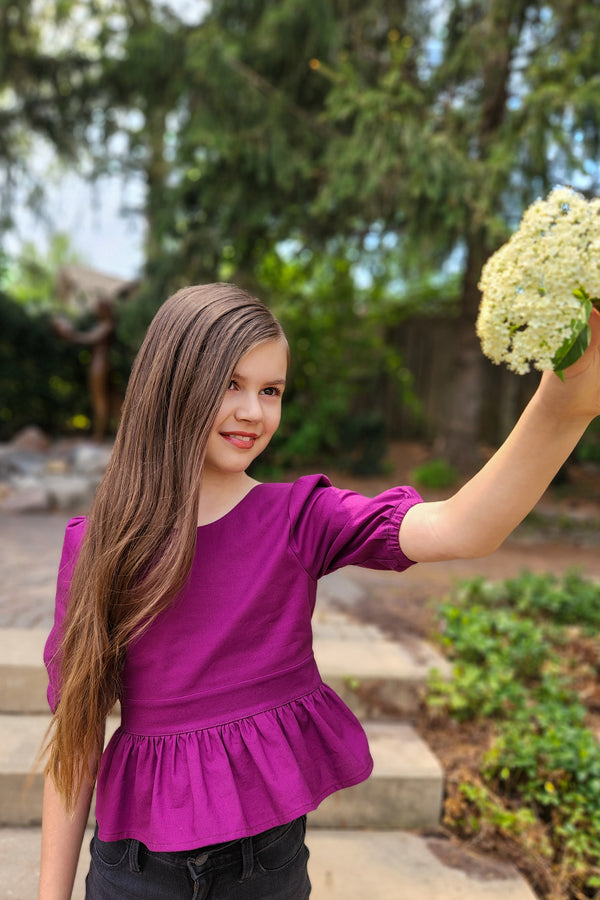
(141, 531)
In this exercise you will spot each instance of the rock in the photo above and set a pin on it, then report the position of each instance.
(24, 463)
(27, 500)
(64, 476)
(31, 439)
(57, 466)
(90, 459)
(68, 491)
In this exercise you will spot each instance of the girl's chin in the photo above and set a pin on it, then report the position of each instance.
(227, 471)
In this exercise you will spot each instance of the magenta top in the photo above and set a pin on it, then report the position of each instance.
(227, 728)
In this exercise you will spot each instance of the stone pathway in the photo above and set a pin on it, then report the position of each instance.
(350, 864)
(30, 548)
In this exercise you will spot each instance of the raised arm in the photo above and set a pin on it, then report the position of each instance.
(475, 520)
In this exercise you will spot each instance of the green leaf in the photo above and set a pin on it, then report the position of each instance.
(572, 350)
(575, 346)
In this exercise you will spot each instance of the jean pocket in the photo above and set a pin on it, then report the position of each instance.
(109, 853)
(284, 848)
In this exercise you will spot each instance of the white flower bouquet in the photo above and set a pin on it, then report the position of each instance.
(538, 290)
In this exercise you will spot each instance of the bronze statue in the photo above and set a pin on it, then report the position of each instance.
(98, 338)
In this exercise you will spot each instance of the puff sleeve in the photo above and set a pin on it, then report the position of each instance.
(70, 551)
(331, 527)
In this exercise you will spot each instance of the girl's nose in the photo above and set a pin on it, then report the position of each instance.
(248, 408)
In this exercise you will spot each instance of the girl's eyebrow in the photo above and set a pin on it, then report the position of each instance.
(239, 377)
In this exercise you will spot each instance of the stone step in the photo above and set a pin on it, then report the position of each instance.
(376, 677)
(404, 791)
(343, 865)
(23, 678)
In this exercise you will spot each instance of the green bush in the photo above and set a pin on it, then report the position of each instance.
(341, 365)
(514, 650)
(42, 379)
(588, 449)
(435, 474)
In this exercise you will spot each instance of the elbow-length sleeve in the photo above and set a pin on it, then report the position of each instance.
(331, 528)
(70, 551)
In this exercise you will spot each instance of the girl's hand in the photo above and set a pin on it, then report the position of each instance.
(579, 394)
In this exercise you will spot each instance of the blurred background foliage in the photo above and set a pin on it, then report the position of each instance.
(43, 380)
(353, 162)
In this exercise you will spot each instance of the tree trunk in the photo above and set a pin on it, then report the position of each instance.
(156, 176)
(458, 430)
(457, 439)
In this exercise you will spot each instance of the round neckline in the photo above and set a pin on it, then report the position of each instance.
(233, 508)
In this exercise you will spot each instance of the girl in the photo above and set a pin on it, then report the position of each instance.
(187, 594)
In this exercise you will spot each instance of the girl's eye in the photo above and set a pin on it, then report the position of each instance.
(232, 386)
(272, 392)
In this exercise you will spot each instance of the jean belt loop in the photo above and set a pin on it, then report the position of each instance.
(134, 856)
(247, 858)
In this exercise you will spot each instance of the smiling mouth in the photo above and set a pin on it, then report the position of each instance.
(241, 440)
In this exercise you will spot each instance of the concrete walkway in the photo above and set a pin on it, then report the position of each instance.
(360, 846)
(343, 865)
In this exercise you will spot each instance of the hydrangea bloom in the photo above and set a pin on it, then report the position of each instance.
(536, 289)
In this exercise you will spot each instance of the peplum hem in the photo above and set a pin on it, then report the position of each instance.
(190, 789)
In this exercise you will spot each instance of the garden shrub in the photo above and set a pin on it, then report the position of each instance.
(341, 365)
(42, 379)
(436, 473)
(520, 649)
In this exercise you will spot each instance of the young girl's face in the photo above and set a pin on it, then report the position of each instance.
(251, 410)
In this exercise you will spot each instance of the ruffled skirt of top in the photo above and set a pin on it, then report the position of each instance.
(194, 771)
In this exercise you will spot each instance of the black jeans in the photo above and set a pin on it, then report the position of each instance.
(271, 865)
